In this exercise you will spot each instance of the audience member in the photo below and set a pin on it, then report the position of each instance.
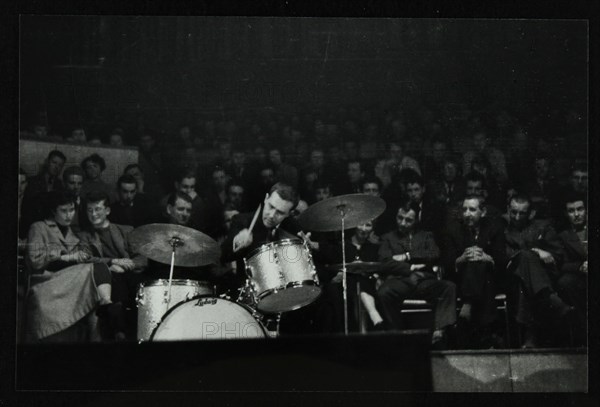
(481, 146)
(236, 196)
(409, 253)
(354, 176)
(283, 171)
(132, 208)
(430, 214)
(475, 249)
(93, 167)
(73, 182)
(185, 183)
(534, 251)
(572, 283)
(108, 243)
(39, 186)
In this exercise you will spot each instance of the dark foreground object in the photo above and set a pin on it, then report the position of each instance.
(374, 362)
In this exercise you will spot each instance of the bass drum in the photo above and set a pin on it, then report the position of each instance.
(208, 318)
(152, 304)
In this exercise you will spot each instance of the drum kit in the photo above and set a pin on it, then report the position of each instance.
(281, 277)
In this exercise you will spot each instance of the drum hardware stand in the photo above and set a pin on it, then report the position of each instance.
(268, 323)
(249, 287)
(174, 243)
(314, 272)
(277, 328)
(342, 209)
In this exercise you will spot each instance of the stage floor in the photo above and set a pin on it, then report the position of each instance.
(376, 362)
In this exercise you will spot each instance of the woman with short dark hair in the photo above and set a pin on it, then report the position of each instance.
(93, 166)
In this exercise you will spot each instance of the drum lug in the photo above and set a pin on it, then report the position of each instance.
(253, 292)
(281, 277)
(247, 268)
(251, 285)
(139, 298)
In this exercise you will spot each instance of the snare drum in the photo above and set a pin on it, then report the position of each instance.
(152, 304)
(282, 276)
(208, 318)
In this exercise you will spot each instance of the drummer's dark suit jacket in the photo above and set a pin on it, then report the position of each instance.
(260, 235)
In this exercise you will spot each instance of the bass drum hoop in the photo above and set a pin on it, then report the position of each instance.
(183, 282)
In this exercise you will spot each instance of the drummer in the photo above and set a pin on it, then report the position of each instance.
(273, 222)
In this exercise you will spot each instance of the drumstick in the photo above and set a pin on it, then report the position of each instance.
(251, 224)
(254, 219)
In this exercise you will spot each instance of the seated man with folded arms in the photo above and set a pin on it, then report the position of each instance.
(109, 244)
(409, 254)
(474, 247)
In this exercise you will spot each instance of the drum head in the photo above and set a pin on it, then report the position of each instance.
(275, 244)
(208, 318)
(288, 299)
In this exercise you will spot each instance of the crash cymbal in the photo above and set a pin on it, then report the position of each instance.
(325, 216)
(358, 267)
(192, 248)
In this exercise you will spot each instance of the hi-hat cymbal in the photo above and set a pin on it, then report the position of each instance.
(325, 216)
(358, 267)
(192, 248)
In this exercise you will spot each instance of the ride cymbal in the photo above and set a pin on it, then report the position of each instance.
(326, 216)
(192, 248)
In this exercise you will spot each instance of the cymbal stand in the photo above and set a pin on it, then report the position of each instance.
(175, 242)
(342, 209)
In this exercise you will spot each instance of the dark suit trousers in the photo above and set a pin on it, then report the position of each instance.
(572, 288)
(532, 273)
(125, 287)
(440, 292)
(477, 287)
(533, 277)
(330, 316)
